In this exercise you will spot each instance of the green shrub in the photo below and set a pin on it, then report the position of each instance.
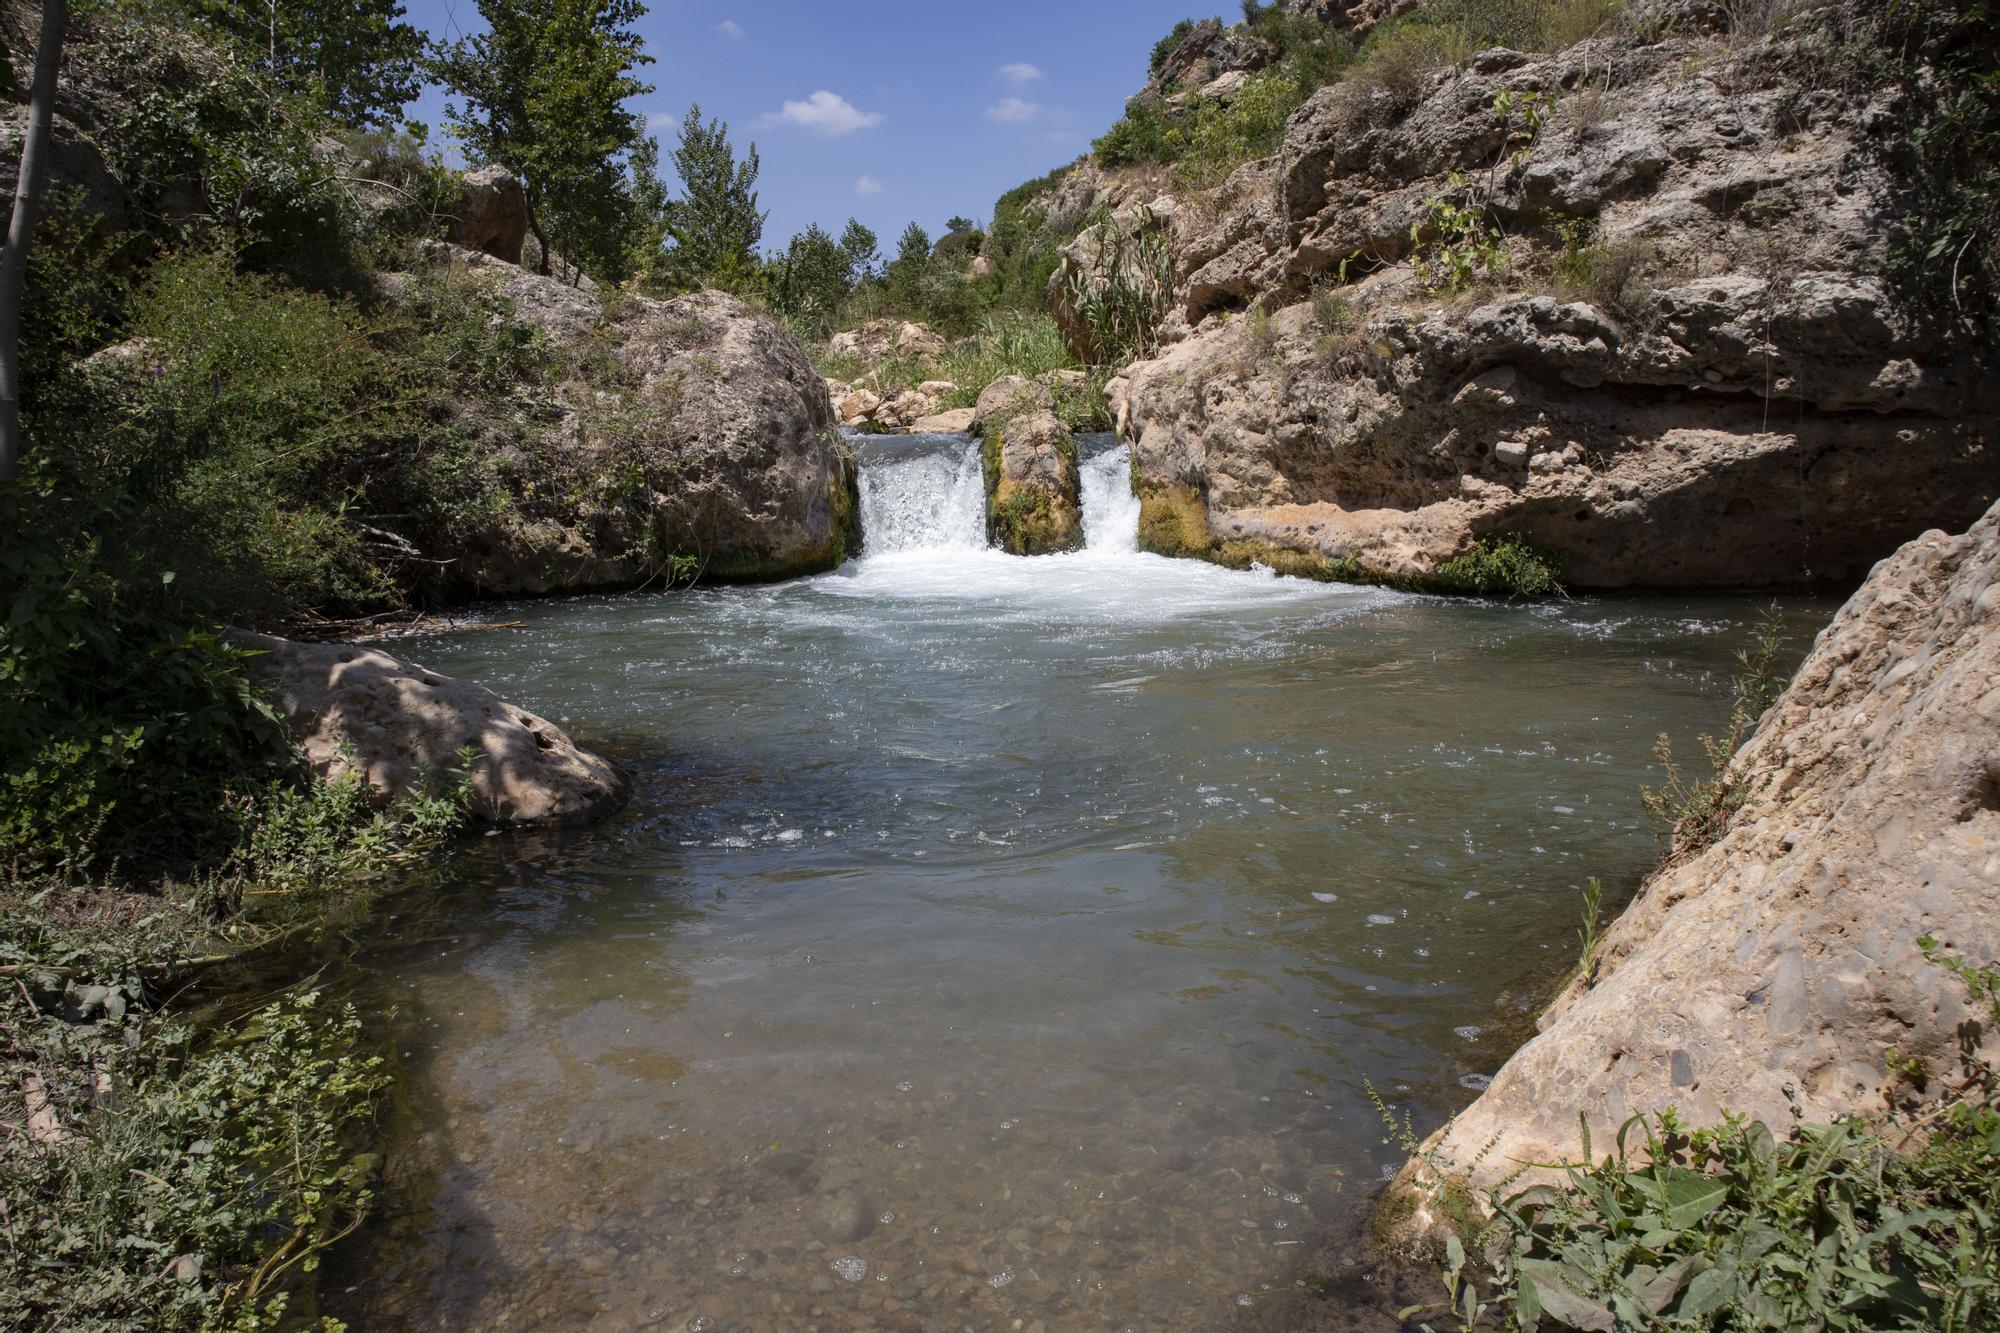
(1145, 133)
(230, 1165)
(1225, 134)
(1612, 275)
(1454, 245)
(1500, 566)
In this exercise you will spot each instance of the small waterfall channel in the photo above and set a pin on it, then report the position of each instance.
(927, 493)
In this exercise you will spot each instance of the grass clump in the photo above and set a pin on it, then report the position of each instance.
(1504, 566)
(1697, 810)
(1613, 275)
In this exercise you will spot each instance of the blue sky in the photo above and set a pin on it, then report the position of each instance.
(885, 110)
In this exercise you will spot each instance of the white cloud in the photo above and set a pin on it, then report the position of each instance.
(731, 29)
(868, 185)
(824, 113)
(1014, 111)
(1020, 73)
(659, 120)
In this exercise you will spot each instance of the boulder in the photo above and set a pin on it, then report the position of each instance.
(355, 709)
(78, 174)
(1006, 397)
(1033, 486)
(1781, 964)
(704, 445)
(491, 215)
(883, 339)
(955, 422)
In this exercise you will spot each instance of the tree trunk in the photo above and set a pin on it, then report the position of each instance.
(541, 241)
(27, 203)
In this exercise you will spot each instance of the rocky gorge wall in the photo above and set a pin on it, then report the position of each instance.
(1676, 359)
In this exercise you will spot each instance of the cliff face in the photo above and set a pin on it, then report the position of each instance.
(1628, 301)
(1781, 964)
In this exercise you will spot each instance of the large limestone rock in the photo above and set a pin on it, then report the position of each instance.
(696, 441)
(492, 214)
(1785, 956)
(1033, 486)
(355, 709)
(1730, 395)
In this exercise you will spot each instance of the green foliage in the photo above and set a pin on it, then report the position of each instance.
(1145, 133)
(543, 91)
(810, 281)
(1454, 243)
(1698, 811)
(1121, 297)
(715, 225)
(321, 833)
(356, 59)
(207, 149)
(229, 1167)
(1223, 135)
(1943, 57)
(1500, 566)
(858, 249)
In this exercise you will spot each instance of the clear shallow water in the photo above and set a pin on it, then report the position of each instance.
(996, 940)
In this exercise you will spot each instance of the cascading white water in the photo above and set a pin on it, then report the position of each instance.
(924, 500)
(1110, 510)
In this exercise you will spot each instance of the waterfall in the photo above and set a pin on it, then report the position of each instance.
(923, 493)
(1110, 510)
(927, 493)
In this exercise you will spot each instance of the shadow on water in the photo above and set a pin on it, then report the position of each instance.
(995, 941)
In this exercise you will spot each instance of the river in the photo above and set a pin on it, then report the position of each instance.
(999, 943)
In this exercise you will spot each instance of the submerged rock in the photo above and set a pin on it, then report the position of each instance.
(355, 709)
(1782, 962)
(843, 1217)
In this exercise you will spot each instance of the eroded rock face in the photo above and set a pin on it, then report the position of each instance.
(1034, 503)
(1786, 956)
(355, 709)
(1731, 396)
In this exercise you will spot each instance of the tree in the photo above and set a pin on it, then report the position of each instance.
(715, 226)
(857, 245)
(356, 57)
(544, 92)
(21, 229)
(812, 278)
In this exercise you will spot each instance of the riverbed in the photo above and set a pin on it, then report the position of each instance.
(996, 943)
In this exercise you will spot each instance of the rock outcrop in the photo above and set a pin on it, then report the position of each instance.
(1782, 962)
(492, 214)
(1676, 364)
(1034, 503)
(701, 445)
(359, 710)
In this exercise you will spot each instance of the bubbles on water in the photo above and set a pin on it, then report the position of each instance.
(741, 1257)
(737, 1270)
(1243, 1299)
(905, 1086)
(1293, 1198)
(1470, 1032)
(1377, 919)
(886, 1218)
(1281, 1224)
(1006, 1124)
(850, 1269)
(1326, 897)
(1001, 1278)
(791, 835)
(701, 1323)
(1248, 1223)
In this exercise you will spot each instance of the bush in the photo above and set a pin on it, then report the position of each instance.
(1167, 45)
(1144, 133)
(1503, 566)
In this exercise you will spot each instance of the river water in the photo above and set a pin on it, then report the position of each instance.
(998, 943)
